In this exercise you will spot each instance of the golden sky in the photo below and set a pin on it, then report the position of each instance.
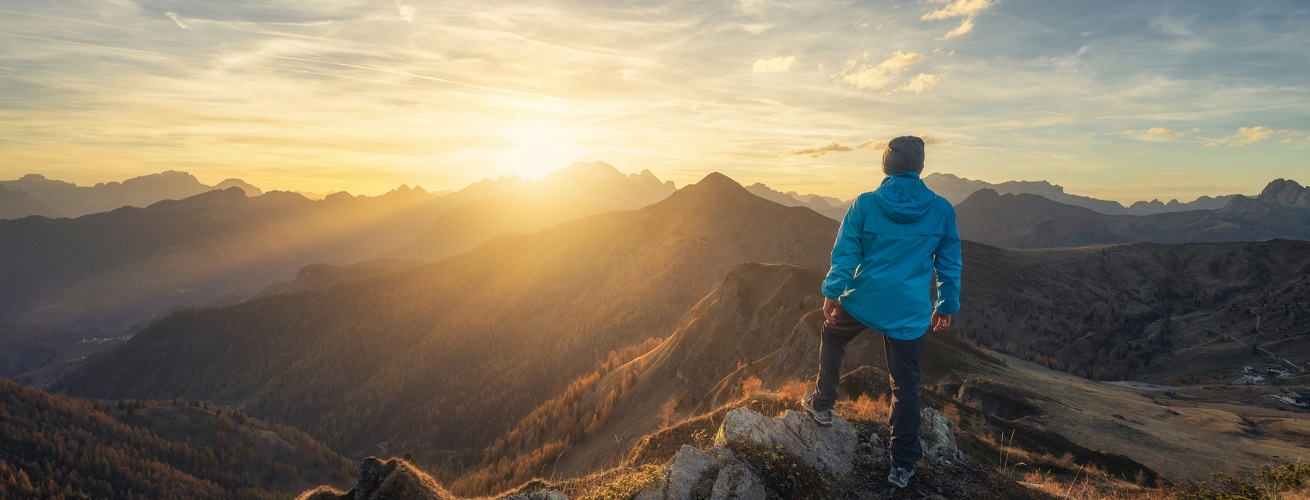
(1118, 100)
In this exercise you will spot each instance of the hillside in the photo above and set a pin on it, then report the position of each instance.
(759, 331)
(54, 198)
(1032, 221)
(52, 445)
(1143, 311)
(448, 356)
(98, 275)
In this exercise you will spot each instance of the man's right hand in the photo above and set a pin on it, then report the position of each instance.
(940, 322)
(831, 308)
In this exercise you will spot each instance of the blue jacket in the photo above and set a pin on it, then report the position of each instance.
(887, 248)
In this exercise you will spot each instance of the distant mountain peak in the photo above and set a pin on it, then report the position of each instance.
(1286, 192)
(716, 188)
(250, 189)
(717, 179)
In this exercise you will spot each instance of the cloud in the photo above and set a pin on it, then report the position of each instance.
(816, 151)
(965, 27)
(407, 12)
(779, 64)
(178, 20)
(881, 144)
(957, 8)
(882, 75)
(921, 83)
(968, 9)
(1155, 134)
(1246, 136)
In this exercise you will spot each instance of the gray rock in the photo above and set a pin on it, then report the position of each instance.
(737, 482)
(937, 439)
(680, 475)
(829, 450)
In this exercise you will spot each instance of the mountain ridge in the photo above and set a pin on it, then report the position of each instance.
(1033, 221)
(614, 279)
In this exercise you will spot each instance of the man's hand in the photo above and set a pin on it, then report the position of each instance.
(831, 308)
(941, 321)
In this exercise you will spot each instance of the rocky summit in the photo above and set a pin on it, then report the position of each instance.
(753, 457)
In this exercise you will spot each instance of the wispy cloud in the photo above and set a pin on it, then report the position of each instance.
(964, 27)
(1155, 134)
(883, 74)
(778, 64)
(1246, 136)
(407, 12)
(968, 9)
(921, 83)
(957, 8)
(881, 144)
(178, 20)
(816, 151)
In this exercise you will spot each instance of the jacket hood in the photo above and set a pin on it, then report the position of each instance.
(904, 197)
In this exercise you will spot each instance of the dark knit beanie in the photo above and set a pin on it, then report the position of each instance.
(903, 154)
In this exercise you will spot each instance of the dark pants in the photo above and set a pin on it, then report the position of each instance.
(902, 363)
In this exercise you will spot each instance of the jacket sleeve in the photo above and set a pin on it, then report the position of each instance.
(847, 252)
(946, 260)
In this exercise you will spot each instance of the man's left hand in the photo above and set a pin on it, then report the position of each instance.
(941, 322)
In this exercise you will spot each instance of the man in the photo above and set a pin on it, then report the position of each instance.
(889, 244)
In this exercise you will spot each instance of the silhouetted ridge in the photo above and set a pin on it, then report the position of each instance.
(217, 197)
(714, 189)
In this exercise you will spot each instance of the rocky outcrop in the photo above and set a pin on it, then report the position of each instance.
(754, 457)
(752, 452)
(395, 479)
(828, 450)
(936, 438)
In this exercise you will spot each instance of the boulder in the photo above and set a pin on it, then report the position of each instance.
(936, 438)
(737, 482)
(681, 474)
(830, 450)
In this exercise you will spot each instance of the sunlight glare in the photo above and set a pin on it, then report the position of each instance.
(537, 149)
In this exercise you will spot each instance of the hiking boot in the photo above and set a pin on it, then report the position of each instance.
(823, 418)
(900, 476)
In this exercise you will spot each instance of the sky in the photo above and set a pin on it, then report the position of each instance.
(1118, 100)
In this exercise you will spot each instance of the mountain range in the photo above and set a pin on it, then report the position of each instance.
(957, 189)
(449, 355)
(37, 195)
(581, 189)
(99, 275)
(1033, 221)
(518, 349)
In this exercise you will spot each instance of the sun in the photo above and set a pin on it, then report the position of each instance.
(537, 149)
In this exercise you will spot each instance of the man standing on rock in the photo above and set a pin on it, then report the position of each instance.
(889, 244)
